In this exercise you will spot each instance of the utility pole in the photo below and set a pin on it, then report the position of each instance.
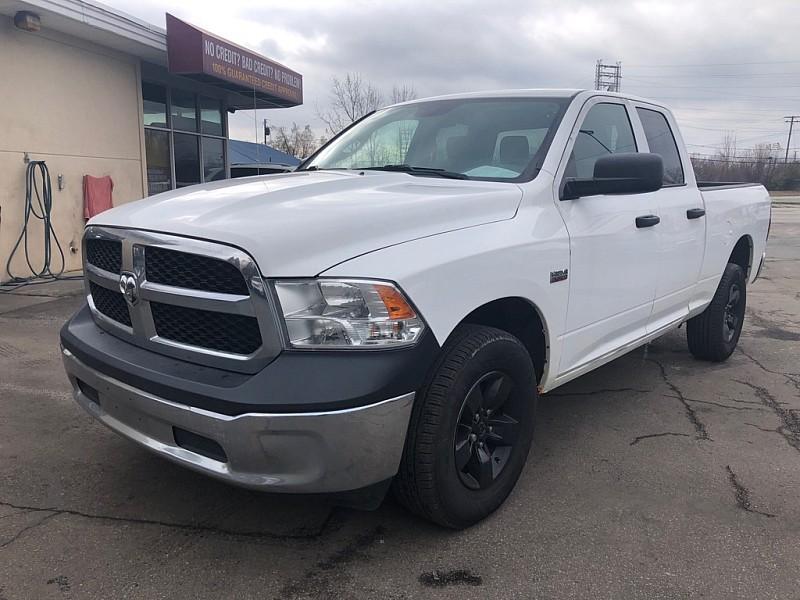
(608, 77)
(791, 120)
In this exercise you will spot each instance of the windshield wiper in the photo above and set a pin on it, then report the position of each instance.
(431, 171)
(316, 168)
(591, 134)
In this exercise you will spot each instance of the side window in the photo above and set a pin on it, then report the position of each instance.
(662, 142)
(605, 130)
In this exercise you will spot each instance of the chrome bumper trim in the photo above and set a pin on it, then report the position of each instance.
(317, 452)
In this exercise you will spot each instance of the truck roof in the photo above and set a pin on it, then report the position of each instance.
(535, 93)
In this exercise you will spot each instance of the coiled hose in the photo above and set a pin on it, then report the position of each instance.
(39, 205)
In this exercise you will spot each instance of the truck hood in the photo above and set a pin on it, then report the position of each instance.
(300, 224)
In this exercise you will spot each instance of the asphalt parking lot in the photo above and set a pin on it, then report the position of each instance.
(655, 476)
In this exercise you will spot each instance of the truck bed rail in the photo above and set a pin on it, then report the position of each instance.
(702, 185)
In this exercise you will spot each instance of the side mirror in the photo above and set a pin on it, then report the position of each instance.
(623, 173)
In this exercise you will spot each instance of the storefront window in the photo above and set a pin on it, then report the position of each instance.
(184, 111)
(187, 160)
(159, 173)
(154, 98)
(213, 159)
(210, 116)
(177, 155)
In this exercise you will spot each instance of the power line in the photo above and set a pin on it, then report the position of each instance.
(731, 96)
(755, 138)
(720, 87)
(737, 161)
(735, 64)
(749, 122)
(718, 75)
(738, 98)
(750, 111)
(608, 77)
(727, 128)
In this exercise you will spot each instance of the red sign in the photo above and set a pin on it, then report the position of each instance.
(193, 51)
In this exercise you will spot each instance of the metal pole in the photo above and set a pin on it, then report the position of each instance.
(790, 120)
(597, 74)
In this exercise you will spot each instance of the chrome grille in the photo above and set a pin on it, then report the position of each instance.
(195, 300)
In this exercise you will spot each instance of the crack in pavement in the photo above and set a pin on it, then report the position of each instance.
(793, 378)
(699, 426)
(758, 406)
(764, 429)
(180, 545)
(257, 535)
(593, 392)
(763, 367)
(743, 495)
(790, 421)
(14, 514)
(27, 528)
(639, 438)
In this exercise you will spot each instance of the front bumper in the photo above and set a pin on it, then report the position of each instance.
(303, 452)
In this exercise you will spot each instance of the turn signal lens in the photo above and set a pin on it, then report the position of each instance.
(395, 304)
(330, 313)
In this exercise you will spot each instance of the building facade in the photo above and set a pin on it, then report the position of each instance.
(92, 91)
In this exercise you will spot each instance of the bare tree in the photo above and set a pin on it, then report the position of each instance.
(403, 93)
(727, 150)
(351, 99)
(300, 143)
(762, 164)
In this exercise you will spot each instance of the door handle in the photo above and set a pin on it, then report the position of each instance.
(647, 221)
(695, 213)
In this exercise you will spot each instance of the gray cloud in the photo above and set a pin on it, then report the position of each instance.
(443, 46)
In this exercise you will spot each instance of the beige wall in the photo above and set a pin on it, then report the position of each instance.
(76, 106)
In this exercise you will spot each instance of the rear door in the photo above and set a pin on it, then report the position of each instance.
(612, 271)
(682, 211)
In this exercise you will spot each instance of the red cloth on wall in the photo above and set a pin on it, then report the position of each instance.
(96, 195)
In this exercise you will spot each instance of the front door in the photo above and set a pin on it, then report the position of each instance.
(612, 272)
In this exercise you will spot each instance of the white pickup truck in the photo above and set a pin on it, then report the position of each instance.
(389, 313)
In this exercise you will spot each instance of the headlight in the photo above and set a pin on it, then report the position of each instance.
(327, 313)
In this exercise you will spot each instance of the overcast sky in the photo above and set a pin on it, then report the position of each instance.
(723, 65)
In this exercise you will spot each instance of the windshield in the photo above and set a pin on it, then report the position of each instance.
(497, 139)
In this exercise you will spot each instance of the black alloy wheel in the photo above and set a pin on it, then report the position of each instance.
(486, 430)
(471, 428)
(732, 317)
(714, 333)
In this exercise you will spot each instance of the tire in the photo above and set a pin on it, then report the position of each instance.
(714, 333)
(479, 368)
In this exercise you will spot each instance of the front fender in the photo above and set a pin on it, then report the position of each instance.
(447, 276)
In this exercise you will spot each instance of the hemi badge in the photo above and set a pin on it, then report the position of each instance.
(556, 276)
